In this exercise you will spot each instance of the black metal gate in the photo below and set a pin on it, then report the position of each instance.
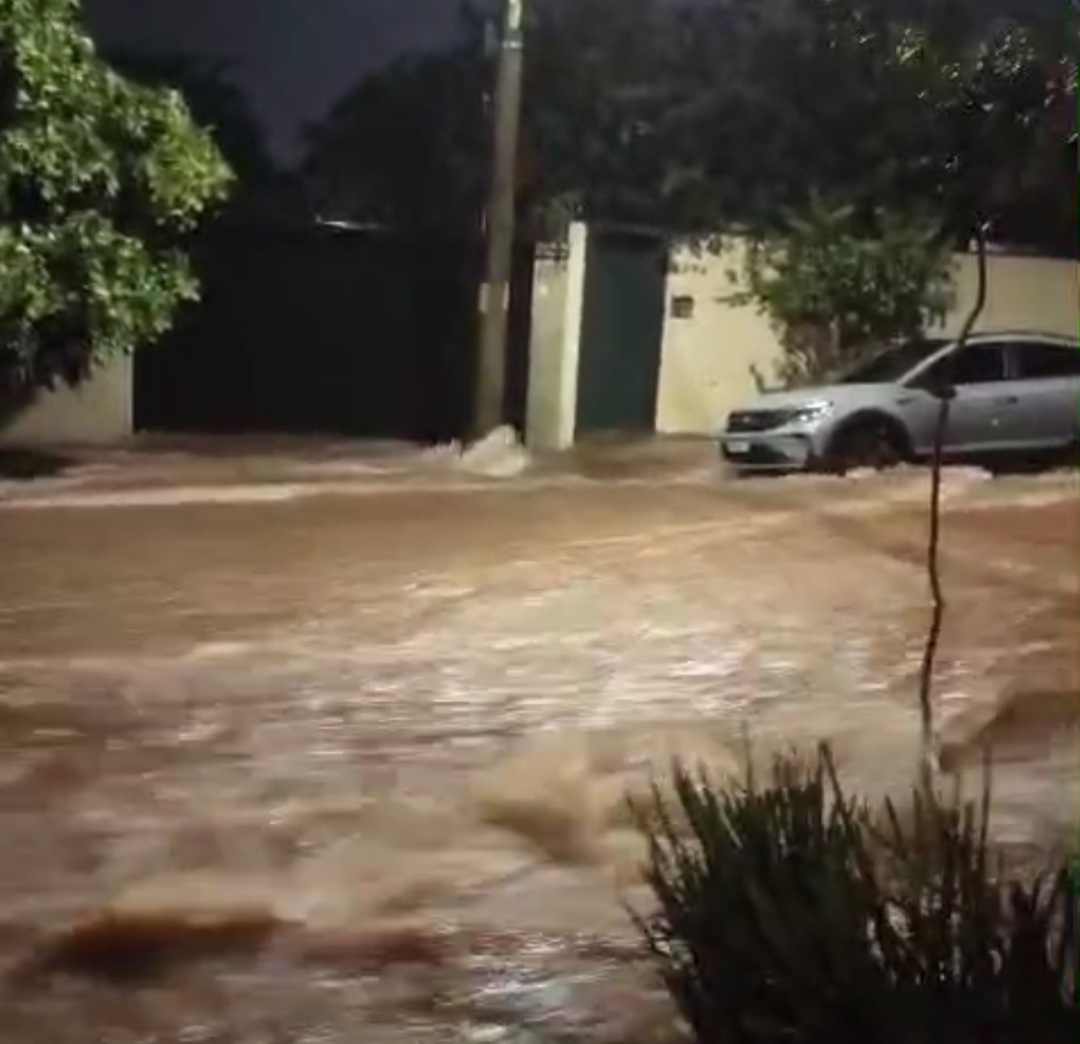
(326, 330)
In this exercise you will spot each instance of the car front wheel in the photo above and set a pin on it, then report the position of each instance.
(873, 444)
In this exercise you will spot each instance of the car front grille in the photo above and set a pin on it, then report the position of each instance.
(756, 420)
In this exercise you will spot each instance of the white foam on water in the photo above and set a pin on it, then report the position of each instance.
(499, 454)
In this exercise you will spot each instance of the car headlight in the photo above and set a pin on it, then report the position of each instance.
(813, 411)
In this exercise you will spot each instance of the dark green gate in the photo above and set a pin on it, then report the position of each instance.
(621, 330)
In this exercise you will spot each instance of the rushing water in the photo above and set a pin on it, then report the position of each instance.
(353, 767)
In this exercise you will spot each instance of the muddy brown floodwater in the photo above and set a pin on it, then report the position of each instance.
(350, 766)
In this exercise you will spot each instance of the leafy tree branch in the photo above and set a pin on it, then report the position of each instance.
(99, 180)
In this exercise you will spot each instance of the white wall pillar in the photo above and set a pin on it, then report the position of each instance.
(558, 301)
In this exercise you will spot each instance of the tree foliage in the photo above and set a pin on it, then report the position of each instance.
(214, 101)
(984, 119)
(837, 292)
(407, 146)
(611, 117)
(261, 187)
(98, 178)
(425, 116)
(972, 111)
(732, 113)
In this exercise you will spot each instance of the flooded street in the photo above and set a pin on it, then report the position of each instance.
(341, 764)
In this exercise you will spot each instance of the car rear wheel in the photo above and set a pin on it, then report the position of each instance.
(874, 443)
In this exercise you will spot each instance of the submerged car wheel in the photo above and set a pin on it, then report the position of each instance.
(874, 443)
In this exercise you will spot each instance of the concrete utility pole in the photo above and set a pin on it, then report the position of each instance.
(499, 227)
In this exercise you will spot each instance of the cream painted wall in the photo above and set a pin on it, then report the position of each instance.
(558, 297)
(1023, 293)
(97, 412)
(706, 359)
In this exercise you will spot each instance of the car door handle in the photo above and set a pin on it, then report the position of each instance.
(1007, 400)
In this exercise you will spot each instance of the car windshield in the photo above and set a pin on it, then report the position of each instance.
(893, 363)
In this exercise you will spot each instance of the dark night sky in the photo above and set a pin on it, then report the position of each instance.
(292, 57)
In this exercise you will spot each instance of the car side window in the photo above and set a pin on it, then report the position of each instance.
(1036, 360)
(975, 364)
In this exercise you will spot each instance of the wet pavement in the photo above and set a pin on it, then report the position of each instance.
(344, 758)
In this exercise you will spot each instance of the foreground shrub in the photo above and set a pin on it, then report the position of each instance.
(786, 913)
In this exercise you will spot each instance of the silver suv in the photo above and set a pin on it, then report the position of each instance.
(1017, 395)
